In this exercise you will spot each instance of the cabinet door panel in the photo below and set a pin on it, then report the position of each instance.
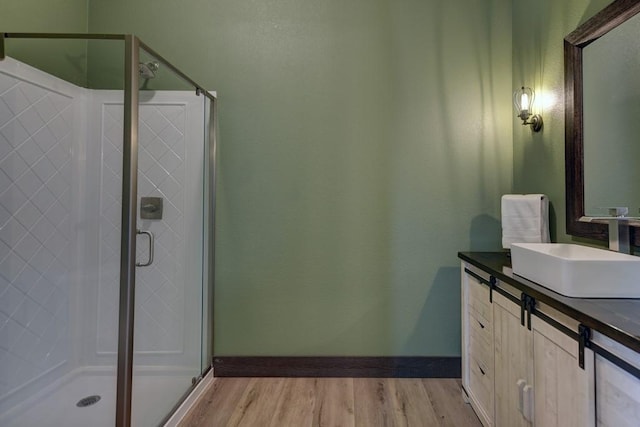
(563, 392)
(477, 345)
(481, 343)
(512, 359)
(618, 396)
(479, 304)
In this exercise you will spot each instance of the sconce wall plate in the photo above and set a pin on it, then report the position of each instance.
(535, 122)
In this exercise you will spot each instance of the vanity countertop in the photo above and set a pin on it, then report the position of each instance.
(618, 319)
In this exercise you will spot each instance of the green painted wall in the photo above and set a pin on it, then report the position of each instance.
(538, 62)
(363, 144)
(63, 58)
(38, 16)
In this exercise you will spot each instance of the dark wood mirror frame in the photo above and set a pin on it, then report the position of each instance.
(607, 19)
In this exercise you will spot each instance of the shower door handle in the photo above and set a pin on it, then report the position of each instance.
(151, 244)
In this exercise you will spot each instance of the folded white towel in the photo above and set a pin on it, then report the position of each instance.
(525, 219)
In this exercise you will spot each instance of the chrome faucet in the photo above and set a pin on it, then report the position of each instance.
(618, 227)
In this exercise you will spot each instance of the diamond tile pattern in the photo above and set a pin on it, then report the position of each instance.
(35, 233)
(159, 288)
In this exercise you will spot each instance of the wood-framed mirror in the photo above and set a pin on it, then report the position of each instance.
(618, 12)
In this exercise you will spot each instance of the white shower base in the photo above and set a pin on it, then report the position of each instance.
(155, 392)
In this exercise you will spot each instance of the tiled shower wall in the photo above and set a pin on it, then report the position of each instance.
(36, 234)
(60, 178)
(167, 161)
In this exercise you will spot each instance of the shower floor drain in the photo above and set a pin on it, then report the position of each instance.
(88, 401)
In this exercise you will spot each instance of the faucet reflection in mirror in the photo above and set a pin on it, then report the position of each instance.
(618, 221)
(523, 101)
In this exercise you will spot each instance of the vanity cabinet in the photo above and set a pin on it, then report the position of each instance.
(618, 391)
(533, 377)
(477, 355)
(563, 392)
(539, 380)
(513, 378)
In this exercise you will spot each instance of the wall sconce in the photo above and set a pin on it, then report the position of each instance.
(523, 101)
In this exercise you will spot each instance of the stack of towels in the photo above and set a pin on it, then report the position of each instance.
(525, 219)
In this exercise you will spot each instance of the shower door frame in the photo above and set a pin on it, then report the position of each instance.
(126, 310)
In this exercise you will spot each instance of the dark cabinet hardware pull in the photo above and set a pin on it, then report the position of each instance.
(584, 338)
(492, 286)
(481, 325)
(527, 305)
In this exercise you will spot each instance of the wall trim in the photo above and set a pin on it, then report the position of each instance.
(357, 367)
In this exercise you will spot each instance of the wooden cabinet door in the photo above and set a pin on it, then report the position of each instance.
(618, 395)
(477, 345)
(513, 353)
(563, 392)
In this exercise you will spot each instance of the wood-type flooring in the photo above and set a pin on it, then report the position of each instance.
(298, 402)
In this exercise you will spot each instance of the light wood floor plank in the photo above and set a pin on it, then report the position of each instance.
(258, 403)
(334, 402)
(410, 403)
(445, 398)
(372, 405)
(217, 403)
(296, 404)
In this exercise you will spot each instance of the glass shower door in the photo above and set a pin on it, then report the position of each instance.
(73, 154)
(169, 273)
(59, 233)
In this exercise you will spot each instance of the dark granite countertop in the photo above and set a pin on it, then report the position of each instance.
(617, 318)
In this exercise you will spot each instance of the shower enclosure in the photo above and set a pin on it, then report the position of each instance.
(107, 167)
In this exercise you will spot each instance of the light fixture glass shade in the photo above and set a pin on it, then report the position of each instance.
(523, 100)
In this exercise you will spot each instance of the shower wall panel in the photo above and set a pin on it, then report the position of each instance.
(170, 158)
(38, 129)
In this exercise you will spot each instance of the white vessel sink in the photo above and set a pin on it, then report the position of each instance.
(578, 271)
